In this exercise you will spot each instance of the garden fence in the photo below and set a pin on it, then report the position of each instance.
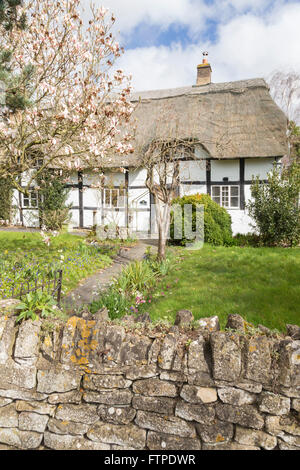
(52, 286)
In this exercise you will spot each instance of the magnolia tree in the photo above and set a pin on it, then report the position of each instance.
(77, 100)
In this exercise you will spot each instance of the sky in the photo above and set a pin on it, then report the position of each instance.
(164, 39)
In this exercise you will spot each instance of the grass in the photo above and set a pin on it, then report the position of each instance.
(23, 255)
(261, 284)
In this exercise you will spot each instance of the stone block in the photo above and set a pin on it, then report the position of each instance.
(165, 424)
(258, 359)
(84, 413)
(226, 353)
(154, 387)
(194, 394)
(160, 441)
(245, 415)
(68, 442)
(235, 396)
(276, 425)
(24, 440)
(41, 408)
(274, 404)
(102, 382)
(217, 431)
(161, 405)
(8, 416)
(184, 318)
(15, 376)
(254, 437)
(33, 422)
(58, 426)
(167, 351)
(58, 380)
(27, 343)
(7, 338)
(109, 397)
(203, 414)
(116, 415)
(122, 435)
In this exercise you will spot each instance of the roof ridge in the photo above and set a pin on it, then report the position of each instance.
(195, 90)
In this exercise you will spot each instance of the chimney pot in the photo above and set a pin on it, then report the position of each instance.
(204, 72)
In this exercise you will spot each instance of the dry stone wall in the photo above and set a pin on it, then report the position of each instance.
(95, 385)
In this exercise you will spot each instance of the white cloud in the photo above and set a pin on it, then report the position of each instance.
(247, 46)
(162, 13)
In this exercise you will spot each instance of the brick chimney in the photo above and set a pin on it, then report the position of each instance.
(204, 72)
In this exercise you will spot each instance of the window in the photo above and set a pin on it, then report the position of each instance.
(114, 198)
(226, 196)
(30, 199)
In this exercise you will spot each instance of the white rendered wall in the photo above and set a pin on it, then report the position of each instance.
(193, 170)
(137, 177)
(225, 169)
(73, 197)
(91, 198)
(114, 178)
(241, 222)
(258, 167)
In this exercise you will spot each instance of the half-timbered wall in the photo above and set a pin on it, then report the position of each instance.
(126, 200)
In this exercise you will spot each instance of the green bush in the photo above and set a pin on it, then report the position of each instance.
(217, 221)
(275, 206)
(53, 195)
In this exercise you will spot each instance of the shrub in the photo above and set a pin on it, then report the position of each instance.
(53, 194)
(275, 206)
(217, 221)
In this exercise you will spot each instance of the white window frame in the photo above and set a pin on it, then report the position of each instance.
(119, 197)
(229, 186)
(32, 195)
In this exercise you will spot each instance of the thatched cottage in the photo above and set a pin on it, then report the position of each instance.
(240, 132)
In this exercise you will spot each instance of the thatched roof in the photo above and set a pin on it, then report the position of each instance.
(231, 120)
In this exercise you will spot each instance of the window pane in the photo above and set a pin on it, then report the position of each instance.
(121, 202)
(234, 201)
(216, 191)
(234, 190)
(26, 201)
(107, 197)
(33, 199)
(225, 196)
(114, 198)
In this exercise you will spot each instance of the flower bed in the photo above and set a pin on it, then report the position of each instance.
(32, 259)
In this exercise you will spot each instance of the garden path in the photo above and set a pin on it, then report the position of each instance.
(88, 290)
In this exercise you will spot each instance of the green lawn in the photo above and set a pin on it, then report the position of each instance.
(23, 256)
(261, 284)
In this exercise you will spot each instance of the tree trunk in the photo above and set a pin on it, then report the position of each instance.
(163, 224)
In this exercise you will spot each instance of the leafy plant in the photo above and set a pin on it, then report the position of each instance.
(116, 303)
(36, 304)
(275, 206)
(135, 277)
(217, 221)
(54, 211)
